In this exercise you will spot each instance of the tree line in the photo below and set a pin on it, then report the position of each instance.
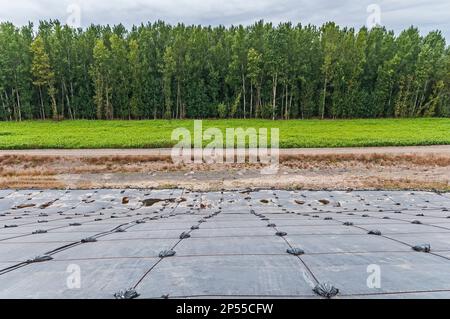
(260, 71)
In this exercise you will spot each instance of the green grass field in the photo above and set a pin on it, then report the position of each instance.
(157, 134)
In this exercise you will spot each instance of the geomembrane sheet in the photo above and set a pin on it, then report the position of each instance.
(182, 244)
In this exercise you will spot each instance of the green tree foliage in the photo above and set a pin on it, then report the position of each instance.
(101, 75)
(254, 59)
(222, 110)
(158, 70)
(44, 77)
(136, 80)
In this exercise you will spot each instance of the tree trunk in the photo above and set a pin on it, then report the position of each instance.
(54, 107)
(251, 99)
(63, 91)
(4, 107)
(69, 108)
(42, 103)
(413, 113)
(291, 97)
(286, 103)
(422, 98)
(258, 102)
(274, 97)
(243, 91)
(324, 97)
(9, 109)
(179, 111)
(109, 110)
(74, 111)
(390, 98)
(19, 111)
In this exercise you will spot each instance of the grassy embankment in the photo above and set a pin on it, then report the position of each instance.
(157, 134)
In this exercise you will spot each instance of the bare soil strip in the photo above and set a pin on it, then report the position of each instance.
(435, 149)
(402, 168)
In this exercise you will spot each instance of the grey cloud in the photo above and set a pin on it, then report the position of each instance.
(395, 14)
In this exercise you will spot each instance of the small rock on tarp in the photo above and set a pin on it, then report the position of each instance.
(152, 201)
(425, 248)
(281, 233)
(328, 218)
(326, 290)
(126, 294)
(348, 224)
(271, 225)
(40, 259)
(167, 253)
(184, 235)
(22, 206)
(375, 232)
(39, 231)
(89, 240)
(48, 204)
(416, 222)
(195, 227)
(295, 251)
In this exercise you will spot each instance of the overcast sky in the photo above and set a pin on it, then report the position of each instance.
(394, 14)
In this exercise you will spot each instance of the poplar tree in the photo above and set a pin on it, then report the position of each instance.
(43, 75)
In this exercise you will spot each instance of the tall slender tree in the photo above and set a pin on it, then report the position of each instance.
(44, 77)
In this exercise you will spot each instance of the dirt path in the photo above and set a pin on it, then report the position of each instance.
(425, 168)
(443, 150)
